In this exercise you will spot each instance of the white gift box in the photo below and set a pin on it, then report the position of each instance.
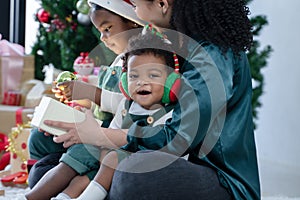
(51, 109)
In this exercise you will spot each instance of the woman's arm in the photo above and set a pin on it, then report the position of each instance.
(89, 132)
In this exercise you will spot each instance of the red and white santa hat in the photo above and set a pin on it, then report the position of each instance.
(121, 7)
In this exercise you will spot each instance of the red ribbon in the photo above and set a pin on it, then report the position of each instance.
(12, 98)
(19, 119)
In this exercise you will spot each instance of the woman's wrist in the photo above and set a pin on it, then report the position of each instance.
(112, 138)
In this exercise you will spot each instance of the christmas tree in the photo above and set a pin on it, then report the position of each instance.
(258, 60)
(65, 31)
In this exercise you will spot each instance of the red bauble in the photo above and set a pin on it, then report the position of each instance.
(43, 16)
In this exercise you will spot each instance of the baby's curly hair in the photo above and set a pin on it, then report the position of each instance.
(221, 22)
(152, 44)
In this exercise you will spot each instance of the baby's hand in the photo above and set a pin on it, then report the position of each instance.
(45, 133)
(85, 103)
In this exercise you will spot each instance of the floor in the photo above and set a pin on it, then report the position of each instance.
(278, 182)
(12, 193)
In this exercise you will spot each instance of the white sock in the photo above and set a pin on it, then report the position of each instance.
(94, 191)
(61, 196)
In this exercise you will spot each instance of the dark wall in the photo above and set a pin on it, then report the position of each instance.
(18, 35)
(4, 18)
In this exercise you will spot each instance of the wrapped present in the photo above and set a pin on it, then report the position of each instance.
(48, 109)
(15, 67)
(25, 88)
(18, 149)
(14, 71)
(12, 115)
(17, 175)
(51, 109)
(28, 68)
(12, 98)
(35, 94)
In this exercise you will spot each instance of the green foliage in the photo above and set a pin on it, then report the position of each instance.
(62, 45)
(258, 60)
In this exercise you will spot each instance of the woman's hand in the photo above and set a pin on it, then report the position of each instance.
(88, 131)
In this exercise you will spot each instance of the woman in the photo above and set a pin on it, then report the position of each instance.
(212, 121)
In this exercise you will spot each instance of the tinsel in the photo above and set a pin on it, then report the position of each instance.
(12, 144)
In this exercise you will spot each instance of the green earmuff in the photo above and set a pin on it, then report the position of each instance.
(123, 85)
(171, 88)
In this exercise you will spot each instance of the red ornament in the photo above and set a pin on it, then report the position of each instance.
(23, 145)
(23, 166)
(43, 16)
(58, 24)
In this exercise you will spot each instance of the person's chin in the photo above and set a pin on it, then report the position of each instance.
(117, 51)
(144, 102)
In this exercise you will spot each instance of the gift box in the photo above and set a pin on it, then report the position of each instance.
(12, 115)
(28, 68)
(15, 67)
(18, 149)
(15, 70)
(35, 94)
(52, 109)
(17, 174)
(12, 98)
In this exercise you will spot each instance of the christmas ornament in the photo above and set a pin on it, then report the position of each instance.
(83, 19)
(83, 64)
(65, 76)
(43, 16)
(58, 24)
(83, 7)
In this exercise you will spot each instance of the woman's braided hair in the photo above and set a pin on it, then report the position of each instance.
(222, 22)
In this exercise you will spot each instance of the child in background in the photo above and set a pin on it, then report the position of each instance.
(116, 21)
(151, 81)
